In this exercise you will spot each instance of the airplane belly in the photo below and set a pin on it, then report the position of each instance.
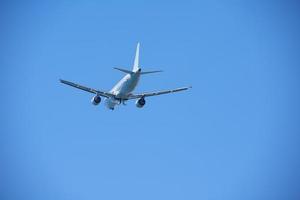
(128, 87)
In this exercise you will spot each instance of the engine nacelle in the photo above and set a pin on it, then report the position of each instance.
(96, 100)
(140, 103)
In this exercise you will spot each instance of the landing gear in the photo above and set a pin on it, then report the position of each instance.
(122, 101)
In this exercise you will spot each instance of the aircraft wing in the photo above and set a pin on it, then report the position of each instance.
(91, 90)
(148, 94)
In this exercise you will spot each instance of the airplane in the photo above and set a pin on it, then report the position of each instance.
(122, 91)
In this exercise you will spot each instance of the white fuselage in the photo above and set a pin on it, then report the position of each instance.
(122, 89)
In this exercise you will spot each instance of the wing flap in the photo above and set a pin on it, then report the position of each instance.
(148, 94)
(87, 89)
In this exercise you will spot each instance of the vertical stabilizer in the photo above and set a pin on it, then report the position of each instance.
(136, 59)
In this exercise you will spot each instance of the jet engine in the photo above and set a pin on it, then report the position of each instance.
(96, 100)
(140, 102)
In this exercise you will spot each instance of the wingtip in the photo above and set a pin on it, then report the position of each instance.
(62, 81)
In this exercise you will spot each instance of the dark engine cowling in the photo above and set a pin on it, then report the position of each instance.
(96, 100)
(140, 103)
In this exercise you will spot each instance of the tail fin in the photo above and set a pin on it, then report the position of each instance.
(136, 66)
(136, 59)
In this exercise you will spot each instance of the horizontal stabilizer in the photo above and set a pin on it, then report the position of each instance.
(151, 72)
(123, 70)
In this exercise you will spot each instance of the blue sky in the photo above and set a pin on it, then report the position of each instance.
(235, 135)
